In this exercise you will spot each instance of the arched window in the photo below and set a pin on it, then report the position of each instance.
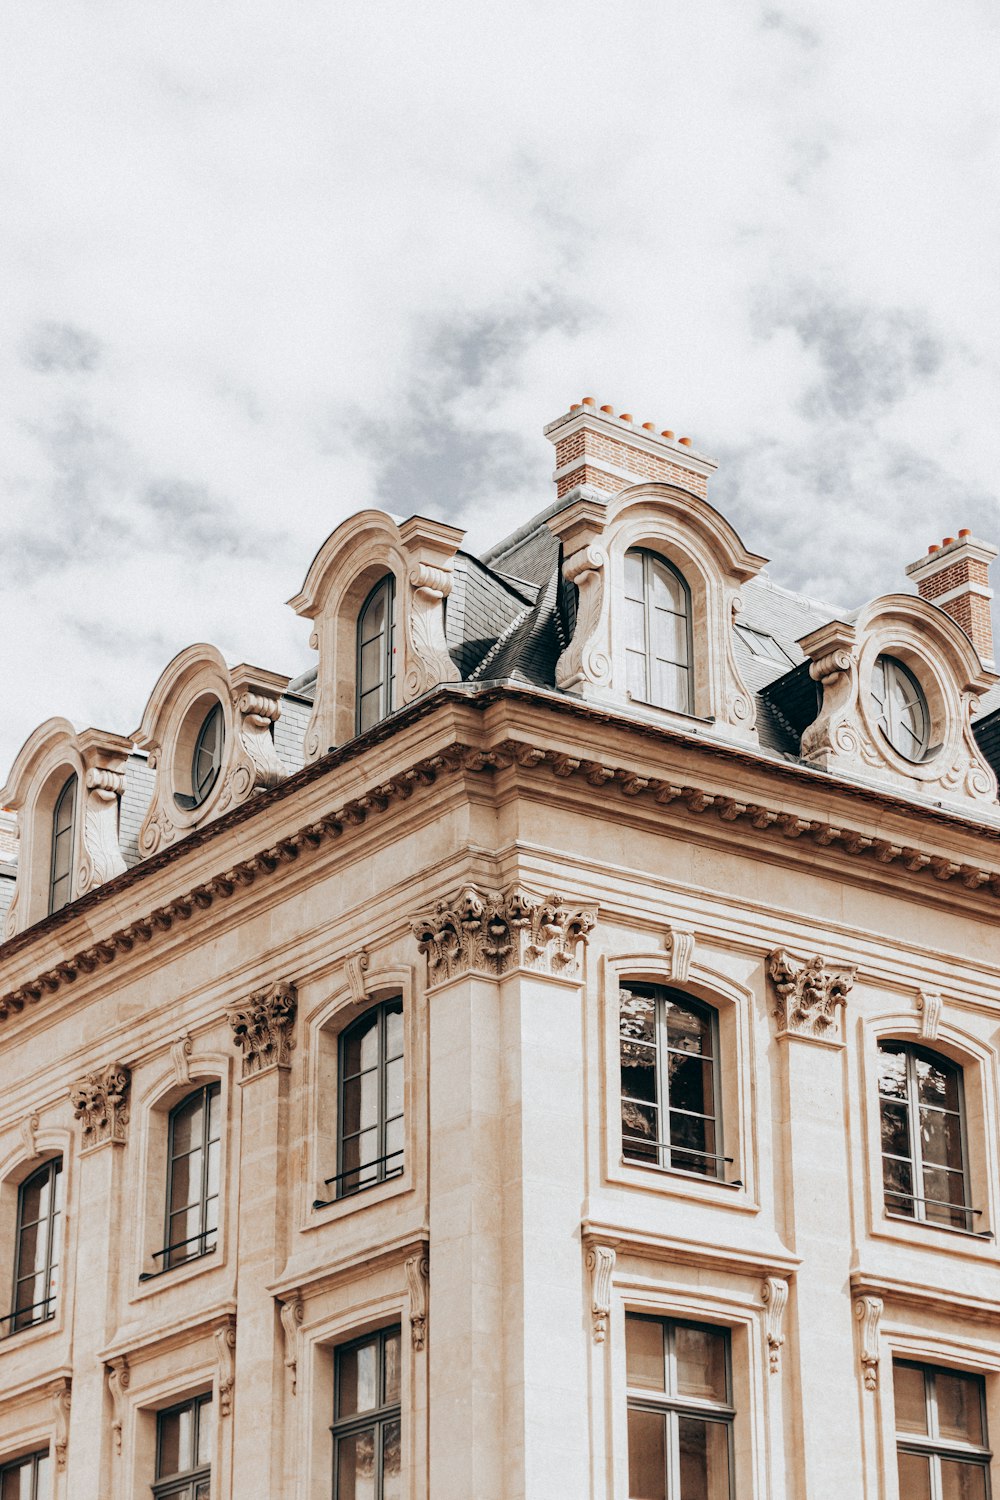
(657, 632)
(900, 708)
(924, 1169)
(207, 759)
(669, 1077)
(192, 1220)
(376, 655)
(63, 831)
(36, 1260)
(370, 1099)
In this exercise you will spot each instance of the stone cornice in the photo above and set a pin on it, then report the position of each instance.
(770, 818)
(773, 1260)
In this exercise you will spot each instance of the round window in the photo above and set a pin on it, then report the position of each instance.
(900, 708)
(207, 758)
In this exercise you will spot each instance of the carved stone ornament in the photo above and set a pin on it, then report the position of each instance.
(101, 1102)
(257, 766)
(810, 996)
(495, 932)
(225, 1351)
(417, 1274)
(357, 968)
(834, 737)
(118, 1383)
(180, 1055)
(29, 1136)
(262, 1028)
(292, 1313)
(868, 1311)
(929, 1005)
(601, 1265)
(774, 1294)
(60, 1391)
(102, 855)
(680, 945)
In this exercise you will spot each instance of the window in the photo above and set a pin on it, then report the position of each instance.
(27, 1478)
(366, 1427)
(63, 830)
(370, 1100)
(680, 1413)
(192, 1177)
(657, 632)
(923, 1148)
(207, 759)
(184, 1451)
(669, 1073)
(900, 708)
(377, 655)
(762, 645)
(941, 1441)
(36, 1263)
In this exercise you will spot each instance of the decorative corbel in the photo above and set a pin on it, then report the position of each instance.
(680, 945)
(225, 1346)
(256, 767)
(105, 757)
(929, 1005)
(180, 1052)
(262, 1028)
(292, 1312)
(118, 1383)
(834, 737)
(774, 1294)
(417, 1275)
(585, 665)
(868, 1311)
(810, 997)
(29, 1135)
(60, 1391)
(600, 1264)
(431, 547)
(357, 968)
(101, 1101)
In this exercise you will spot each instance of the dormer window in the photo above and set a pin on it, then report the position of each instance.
(900, 708)
(657, 632)
(377, 655)
(63, 835)
(207, 759)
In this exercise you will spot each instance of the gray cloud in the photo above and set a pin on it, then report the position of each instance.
(779, 20)
(53, 348)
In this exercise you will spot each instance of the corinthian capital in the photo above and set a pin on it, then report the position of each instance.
(101, 1101)
(495, 932)
(810, 995)
(262, 1027)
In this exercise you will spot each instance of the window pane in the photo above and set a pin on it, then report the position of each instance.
(394, 1087)
(704, 1454)
(373, 619)
(895, 1128)
(358, 1389)
(394, 1145)
(892, 1070)
(361, 1046)
(911, 1404)
(690, 1082)
(176, 1442)
(205, 1433)
(391, 1479)
(962, 1481)
(670, 686)
(668, 637)
(392, 1346)
(213, 1170)
(17, 1483)
(635, 674)
(640, 1127)
(187, 1126)
(646, 1369)
(692, 1144)
(959, 1406)
(701, 1363)
(394, 1032)
(372, 657)
(185, 1181)
(43, 1482)
(937, 1083)
(635, 626)
(941, 1138)
(638, 1072)
(667, 590)
(914, 1476)
(633, 575)
(897, 1178)
(361, 1102)
(638, 1017)
(940, 1189)
(35, 1199)
(356, 1466)
(688, 1030)
(647, 1456)
(215, 1108)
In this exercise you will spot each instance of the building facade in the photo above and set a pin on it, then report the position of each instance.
(548, 1049)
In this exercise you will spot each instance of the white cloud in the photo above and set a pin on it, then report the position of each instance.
(263, 266)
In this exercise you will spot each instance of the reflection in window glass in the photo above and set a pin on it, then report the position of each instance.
(370, 1135)
(193, 1177)
(36, 1261)
(924, 1171)
(900, 708)
(367, 1463)
(63, 838)
(680, 1415)
(183, 1451)
(376, 655)
(941, 1441)
(657, 632)
(669, 1083)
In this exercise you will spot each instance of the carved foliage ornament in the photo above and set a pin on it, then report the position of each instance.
(810, 996)
(868, 1311)
(774, 1294)
(101, 1101)
(292, 1313)
(601, 1265)
(495, 932)
(225, 1358)
(118, 1384)
(417, 1273)
(262, 1028)
(61, 1391)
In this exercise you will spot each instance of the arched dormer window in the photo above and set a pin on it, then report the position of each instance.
(924, 1165)
(376, 679)
(63, 836)
(657, 632)
(669, 1080)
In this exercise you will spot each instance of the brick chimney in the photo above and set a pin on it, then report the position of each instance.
(595, 447)
(955, 576)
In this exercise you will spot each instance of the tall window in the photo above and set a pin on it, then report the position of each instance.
(63, 828)
(657, 632)
(669, 1075)
(36, 1262)
(941, 1441)
(377, 655)
(924, 1171)
(27, 1478)
(193, 1177)
(366, 1427)
(680, 1411)
(370, 1103)
(184, 1451)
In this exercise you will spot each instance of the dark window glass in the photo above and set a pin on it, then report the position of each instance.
(376, 652)
(184, 1451)
(63, 829)
(36, 1262)
(900, 708)
(27, 1478)
(680, 1412)
(192, 1218)
(669, 1080)
(941, 1440)
(207, 759)
(370, 1105)
(366, 1419)
(924, 1173)
(657, 632)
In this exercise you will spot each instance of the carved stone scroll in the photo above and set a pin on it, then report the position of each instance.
(495, 932)
(417, 1274)
(868, 1311)
(600, 1264)
(262, 1028)
(428, 657)
(118, 1383)
(774, 1294)
(29, 1136)
(180, 1053)
(225, 1346)
(680, 945)
(810, 996)
(357, 967)
(102, 855)
(833, 739)
(101, 1102)
(929, 1005)
(292, 1313)
(60, 1392)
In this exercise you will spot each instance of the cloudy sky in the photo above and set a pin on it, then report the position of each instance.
(262, 265)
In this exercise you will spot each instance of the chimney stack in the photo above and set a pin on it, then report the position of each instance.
(954, 575)
(609, 453)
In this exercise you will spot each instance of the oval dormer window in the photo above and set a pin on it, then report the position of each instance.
(206, 756)
(900, 708)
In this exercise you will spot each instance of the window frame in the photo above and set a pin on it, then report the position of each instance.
(68, 789)
(393, 1004)
(912, 1050)
(184, 1483)
(52, 1169)
(933, 1446)
(665, 1150)
(900, 672)
(11, 1466)
(672, 1405)
(215, 719)
(650, 557)
(207, 1092)
(378, 1417)
(385, 687)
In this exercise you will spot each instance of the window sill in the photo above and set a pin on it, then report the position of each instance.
(984, 1236)
(151, 1283)
(675, 1183)
(700, 1177)
(30, 1331)
(677, 713)
(320, 1211)
(145, 1276)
